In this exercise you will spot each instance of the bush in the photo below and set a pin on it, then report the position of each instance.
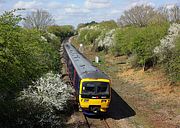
(132, 60)
(82, 36)
(105, 41)
(62, 31)
(168, 52)
(124, 38)
(48, 91)
(140, 41)
(25, 56)
(172, 65)
(108, 25)
(46, 103)
(93, 33)
(82, 25)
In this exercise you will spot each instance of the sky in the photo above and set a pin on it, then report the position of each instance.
(73, 12)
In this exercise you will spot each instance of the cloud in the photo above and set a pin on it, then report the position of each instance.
(2, 6)
(169, 6)
(32, 5)
(95, 4)
(139, 2)
(54, 5)
(75, 12)
(75, 9)
(116, 11)
(2, 1)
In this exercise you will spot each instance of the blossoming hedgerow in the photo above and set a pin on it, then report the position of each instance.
(49, 91)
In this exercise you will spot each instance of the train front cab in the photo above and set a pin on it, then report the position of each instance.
(95, 95)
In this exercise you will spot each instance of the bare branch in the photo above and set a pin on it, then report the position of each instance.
(138, 15)
(171, 14)
(39, 19)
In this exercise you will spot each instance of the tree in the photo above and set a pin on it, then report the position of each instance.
(24, 56)
(38, 19)
(175, 13)
(81, 25)
(172, 14)
(62, 31)
(138, 15)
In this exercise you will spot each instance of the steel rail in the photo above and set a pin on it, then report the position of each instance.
(103, 120)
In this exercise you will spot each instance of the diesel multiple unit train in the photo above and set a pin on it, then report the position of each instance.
(92, 85)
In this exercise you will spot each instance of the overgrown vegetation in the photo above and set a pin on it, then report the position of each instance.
(48, 100)
(62, 31)
(142, 29)
(25, 56)
(93, 34)
(140, 42)
(172, 64)
(168, 52)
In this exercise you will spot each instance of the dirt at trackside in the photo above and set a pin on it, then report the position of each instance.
(155, 101)
(150, 94)
(142, 99)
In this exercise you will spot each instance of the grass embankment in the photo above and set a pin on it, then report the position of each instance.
(149, 46)
(149, 93)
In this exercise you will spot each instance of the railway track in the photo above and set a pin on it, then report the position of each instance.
(90, 122)
(96, 122)
(107, 125)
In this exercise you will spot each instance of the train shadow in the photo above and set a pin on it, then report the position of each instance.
(118, 109)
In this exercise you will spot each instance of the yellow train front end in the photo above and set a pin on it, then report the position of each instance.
(95, 95)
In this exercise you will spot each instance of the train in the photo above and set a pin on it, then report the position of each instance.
(92, 86)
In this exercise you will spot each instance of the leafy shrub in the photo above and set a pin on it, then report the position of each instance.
(62, 31)
(93, 33)
(108, 25)
(172, 65)
(168, 52)
(48, 91)
(46, 103)
(124, 38)
(168, 42)
(132, 60)
(24, 55)
(105, 41)
(82, 36)
(9, 49)
(82, 25)
(140, 41)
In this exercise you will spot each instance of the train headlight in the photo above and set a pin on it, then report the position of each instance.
(103, 101)
(86, 100)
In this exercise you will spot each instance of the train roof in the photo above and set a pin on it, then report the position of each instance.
(82, 65)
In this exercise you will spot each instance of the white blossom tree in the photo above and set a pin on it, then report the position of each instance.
(48, 95)
(105, 40)
(167, 43)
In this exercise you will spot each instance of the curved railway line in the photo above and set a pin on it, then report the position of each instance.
(99, 122)
(118, 108)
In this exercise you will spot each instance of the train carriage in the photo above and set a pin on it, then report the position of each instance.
(92, 85)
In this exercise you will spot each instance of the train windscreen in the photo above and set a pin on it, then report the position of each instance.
(95, 88)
